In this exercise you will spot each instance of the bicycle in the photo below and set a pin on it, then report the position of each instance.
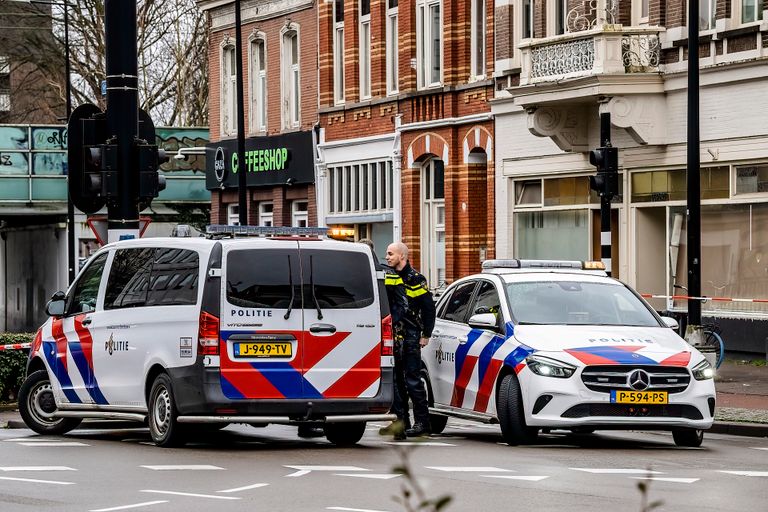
(713, 340)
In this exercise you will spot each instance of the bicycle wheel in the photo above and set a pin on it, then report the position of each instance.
(714, 342)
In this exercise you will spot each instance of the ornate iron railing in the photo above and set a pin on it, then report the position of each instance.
(584, 16)
(563, 58)
(640, 52)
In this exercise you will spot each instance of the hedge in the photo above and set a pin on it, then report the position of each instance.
(13, 363)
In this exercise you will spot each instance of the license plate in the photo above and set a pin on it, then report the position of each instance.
(638, 397)
(263, 349)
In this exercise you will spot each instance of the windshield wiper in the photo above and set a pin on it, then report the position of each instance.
(293, 292)
(312, 286)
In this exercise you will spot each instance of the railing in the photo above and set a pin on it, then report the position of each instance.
(609, 49)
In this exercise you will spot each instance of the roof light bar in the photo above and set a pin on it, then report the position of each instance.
(221, 229)
(543, 264)
(594, 265)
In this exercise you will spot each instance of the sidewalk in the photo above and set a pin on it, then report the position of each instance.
(742, 402)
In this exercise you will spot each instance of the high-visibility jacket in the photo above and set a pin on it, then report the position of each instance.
(418, 312)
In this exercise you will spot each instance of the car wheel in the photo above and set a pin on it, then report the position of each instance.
(163, 427)
(344, 434)
(511, 415)
(38, 406)
(437, 422)
(689, 437)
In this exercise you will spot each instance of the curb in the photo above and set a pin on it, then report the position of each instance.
(740, 429)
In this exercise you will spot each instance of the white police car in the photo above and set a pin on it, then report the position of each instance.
(184, 332)
(559, 345)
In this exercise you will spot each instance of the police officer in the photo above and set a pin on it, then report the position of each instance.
(413, 318)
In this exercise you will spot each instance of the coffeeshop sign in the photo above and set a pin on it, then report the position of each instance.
(275, 160)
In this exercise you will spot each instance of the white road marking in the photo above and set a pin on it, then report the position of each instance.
(746, 473)
(354, 509)
(759, 448)
(375, 476)
(304, 470)
(182, 467)
(245, 488)
(33, 480)
(192, 495)
(53, 443)
(417, 443)
(27, 439)
(469, 469)
(518, 477)
(37, 468)
(667, 479)
(618, 471)
(126, 507)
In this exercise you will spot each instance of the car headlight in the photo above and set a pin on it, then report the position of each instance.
(703, 371)
(546, 367)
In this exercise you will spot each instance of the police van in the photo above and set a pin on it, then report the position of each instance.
(185, 334)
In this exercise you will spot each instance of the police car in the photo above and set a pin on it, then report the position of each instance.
(188, 334)
(559, 345)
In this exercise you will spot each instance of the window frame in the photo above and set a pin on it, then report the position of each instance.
(68, 312)
(424, 40)
(478, 69)
(364, 28)
(298, 215)
(258, 83)
(470, 282)
(291, 74)
(266, 216)
(526, 23)
(393, 47)
(233, 214)
(338, 54)
(737, 13)
(227, 102)
(712, 15)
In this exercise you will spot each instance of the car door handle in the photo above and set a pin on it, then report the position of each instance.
(87, 321)
(463, 339)
(315, 328)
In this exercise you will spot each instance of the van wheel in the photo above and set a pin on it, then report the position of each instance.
(344, 434)
(163, 427)
(688, 437)
(511, 415)
(38, 406)
(437, 422)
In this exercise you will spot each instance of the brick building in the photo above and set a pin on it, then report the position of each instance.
(406, 150)
(559, 64)
(279, 48)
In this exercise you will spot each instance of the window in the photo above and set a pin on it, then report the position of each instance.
(299, 214)
(129, 278)
(392, 47)
(429, 48)
(86, 291)
(258, 79)
(458, 303)
(655, 186)
(751, 179)
(338, 51)
(487, 300)
(552, 234)
(751, 10)
(266, 285)
(561, 16)
(233, 215)
(361, 188)
(478, 39)
(229, 80)
(265, 214)
(528, 193)
(290, 79)
(365, 49)
(339, 279)
(527, 19)
(433, 221)
(707, 14)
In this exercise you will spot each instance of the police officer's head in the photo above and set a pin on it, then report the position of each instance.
(397, 255)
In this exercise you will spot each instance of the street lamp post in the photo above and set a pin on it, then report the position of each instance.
(242, 196)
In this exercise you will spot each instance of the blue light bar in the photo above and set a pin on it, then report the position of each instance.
(221, 229)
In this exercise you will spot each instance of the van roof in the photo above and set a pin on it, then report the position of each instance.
(202, 243)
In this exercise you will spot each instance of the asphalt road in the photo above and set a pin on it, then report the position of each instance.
(270, 469)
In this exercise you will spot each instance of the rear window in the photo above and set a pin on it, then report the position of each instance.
(341, 279)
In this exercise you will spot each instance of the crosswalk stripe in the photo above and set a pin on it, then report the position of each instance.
(36, 481)
(618, 471)
(417, 443)
(191, 495)
(745, 473)
(667, 479)
(126, 507)
(469, 469)
(245, 488)
(37, 468)
(182, 467)
(53, 443)
(526, 478)
(374, 476)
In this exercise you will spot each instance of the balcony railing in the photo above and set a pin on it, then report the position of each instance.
(608, 49)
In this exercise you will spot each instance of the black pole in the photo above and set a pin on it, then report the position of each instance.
(122, 114)
(242, 192)
(693, 175)
(70, 207)
(605, 200)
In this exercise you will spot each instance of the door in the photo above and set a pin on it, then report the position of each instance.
(262, 326)
(451, 335)
(342, 342)
(70, 354)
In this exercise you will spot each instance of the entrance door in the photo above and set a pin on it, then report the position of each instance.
(433, 222)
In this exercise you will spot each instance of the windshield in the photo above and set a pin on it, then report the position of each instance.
(577, 303)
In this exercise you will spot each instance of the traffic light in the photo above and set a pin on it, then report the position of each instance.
(151, 180)
(606, 181)
(86, 133)
(100, 171)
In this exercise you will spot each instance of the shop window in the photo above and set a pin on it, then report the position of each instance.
(229, 79)
(365, 49)
(528, 193)
(478, 39)
(265, 214)
(566, 191)
(338, 51)
(392, 47)
(752, 179)
(659, 186)
(258, 82)
(559, 234)
(299, 214)
(429, 43)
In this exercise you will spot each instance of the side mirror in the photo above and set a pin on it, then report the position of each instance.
(484, 321)
(670, 322)
(55, 306)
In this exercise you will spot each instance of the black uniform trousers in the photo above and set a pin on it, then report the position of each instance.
(408, 381)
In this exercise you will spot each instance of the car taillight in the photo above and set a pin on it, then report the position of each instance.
(208, 335)
(387, 339)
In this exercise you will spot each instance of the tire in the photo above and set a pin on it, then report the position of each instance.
(344, 434)
(37, 406)
(437, 422)
(511, 415)
(163, 427)
(688, 437)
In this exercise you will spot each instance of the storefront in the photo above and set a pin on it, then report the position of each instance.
(280, 177)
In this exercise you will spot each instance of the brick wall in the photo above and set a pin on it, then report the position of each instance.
(505, 47)
(539, 18)
(675, 13)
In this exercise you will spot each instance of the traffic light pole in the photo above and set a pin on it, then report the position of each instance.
(605, 200)
(242, 190)
(122, 115)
